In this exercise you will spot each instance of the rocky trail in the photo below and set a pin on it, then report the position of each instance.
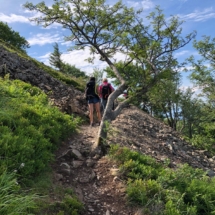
(94, 177)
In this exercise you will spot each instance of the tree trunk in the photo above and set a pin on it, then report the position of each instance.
(190, 130)
(110, 115)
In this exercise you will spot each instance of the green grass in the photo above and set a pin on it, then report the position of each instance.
(31, 129)
(12, 200)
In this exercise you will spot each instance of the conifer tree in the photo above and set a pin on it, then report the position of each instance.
(55, 58)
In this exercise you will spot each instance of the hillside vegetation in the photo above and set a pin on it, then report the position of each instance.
(31, 130)
(42, 107)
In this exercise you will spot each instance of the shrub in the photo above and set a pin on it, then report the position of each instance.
(67, 204)
(164, 191)
(30, 129)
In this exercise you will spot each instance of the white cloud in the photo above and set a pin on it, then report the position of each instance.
(13, 18)
(78, 58)
(145, 4)
(181, 53)
(27, 11)
(199, 16)
(42, 39)
(67, 43)
(53, 26)
(45, 58)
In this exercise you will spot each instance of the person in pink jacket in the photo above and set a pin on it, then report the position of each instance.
(105, 89)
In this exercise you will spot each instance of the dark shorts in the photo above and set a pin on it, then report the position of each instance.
(93, 100)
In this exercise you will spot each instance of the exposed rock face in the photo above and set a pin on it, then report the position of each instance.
(66, 98)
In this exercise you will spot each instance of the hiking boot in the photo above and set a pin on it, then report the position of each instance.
(99, 123)
(91, 124)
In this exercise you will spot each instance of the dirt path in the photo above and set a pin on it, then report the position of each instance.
(93, 177)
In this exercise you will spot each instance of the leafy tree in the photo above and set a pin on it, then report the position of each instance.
(92, 24)
(12, 37)
(98, 74)
(203, 69)
(72, 70)
(202, 75)
(110, 29)
(191, 113)
(55, 58)
(165, 101)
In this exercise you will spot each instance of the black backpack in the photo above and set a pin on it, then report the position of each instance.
(90, 90)
(106, 91)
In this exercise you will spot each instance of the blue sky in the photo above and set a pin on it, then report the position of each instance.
(198, 15)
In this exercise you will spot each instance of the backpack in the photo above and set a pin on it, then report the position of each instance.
(90, 90)
(105, 91)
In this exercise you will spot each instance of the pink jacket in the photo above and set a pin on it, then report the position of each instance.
(100, 88)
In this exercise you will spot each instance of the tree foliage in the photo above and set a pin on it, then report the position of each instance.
(73, 71)
(111, 29)
(12, 37)
(56, 61)
(55, 58)
(202, 75)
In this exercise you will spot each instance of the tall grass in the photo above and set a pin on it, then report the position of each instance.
(12, 201)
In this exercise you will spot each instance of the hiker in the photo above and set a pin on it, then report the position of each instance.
(105, 89)
(93, 99)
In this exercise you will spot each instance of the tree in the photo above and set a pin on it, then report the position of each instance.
(108, 30)
(95, 25)
(55, 58)
(203, 69)
(202, 75)
(165, 100)
(98, 74)
(12, 37)
(191, 113)
(73, 71)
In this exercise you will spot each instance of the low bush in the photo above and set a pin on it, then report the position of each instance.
(164, 191)
(30, 128)
(67, 204)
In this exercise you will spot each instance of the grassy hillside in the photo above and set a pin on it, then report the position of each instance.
(160, 190)
(30, 131)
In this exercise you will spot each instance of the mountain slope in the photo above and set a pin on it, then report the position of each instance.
(96, 179)
(64, 92)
